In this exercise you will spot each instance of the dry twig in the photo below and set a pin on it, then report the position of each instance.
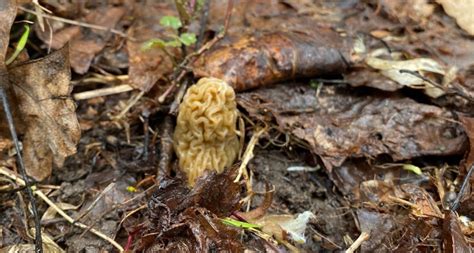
(364, 236)
(102, 92)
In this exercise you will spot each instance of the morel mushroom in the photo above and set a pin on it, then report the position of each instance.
(205, 136)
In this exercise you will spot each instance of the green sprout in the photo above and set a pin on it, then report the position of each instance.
(173, 22)
(20, 46)
(412, 168)
(240, 224)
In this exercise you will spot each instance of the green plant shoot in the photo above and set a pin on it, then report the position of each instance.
(20, 46)
(171, 21)
(239, 224)
(412, 168)
(186, 39)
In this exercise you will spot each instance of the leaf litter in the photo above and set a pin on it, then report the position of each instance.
(369, 115)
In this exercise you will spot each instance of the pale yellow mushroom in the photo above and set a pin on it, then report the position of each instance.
(205, 137)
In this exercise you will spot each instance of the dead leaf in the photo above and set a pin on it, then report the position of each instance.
(468, 124)
(392, 69)
(461, 10)
(184, 220)
(42, 94)
(285, 226)
(453, 238)
(148, 66)
(425, 206)
(370, 78)
(7, 15)
(84, 43)
(342, 122)
(262, 59)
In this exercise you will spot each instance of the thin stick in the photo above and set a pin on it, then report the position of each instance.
(362, 238)
(73, 22)
(11, 126)
(456, 202)
(130, 105)
(102, 92)
(248, 155)
(40, 194)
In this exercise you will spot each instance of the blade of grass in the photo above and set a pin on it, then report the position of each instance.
(20, 46)
(239, 224)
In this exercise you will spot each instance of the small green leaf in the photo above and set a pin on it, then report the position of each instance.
(239, 224)
(21, 45)
(153, 43)
(173, 43)
(412, 168)
(188, 38)
(171, 21)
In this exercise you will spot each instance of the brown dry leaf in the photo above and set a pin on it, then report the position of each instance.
(364, 76)
(149, 66)
(342, 122)
(84, 43)
(392, 69)
(187, 220)
(461, 10)
(468, 124)
(261, 59)
(7, 16)
(453, 238)
(425, 206)
(42, 94)
(286, 226)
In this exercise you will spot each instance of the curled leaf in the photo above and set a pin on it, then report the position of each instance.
(42, 93)
(279, 225)
(396, 70)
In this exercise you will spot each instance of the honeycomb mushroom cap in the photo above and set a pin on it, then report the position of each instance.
(205, 136)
